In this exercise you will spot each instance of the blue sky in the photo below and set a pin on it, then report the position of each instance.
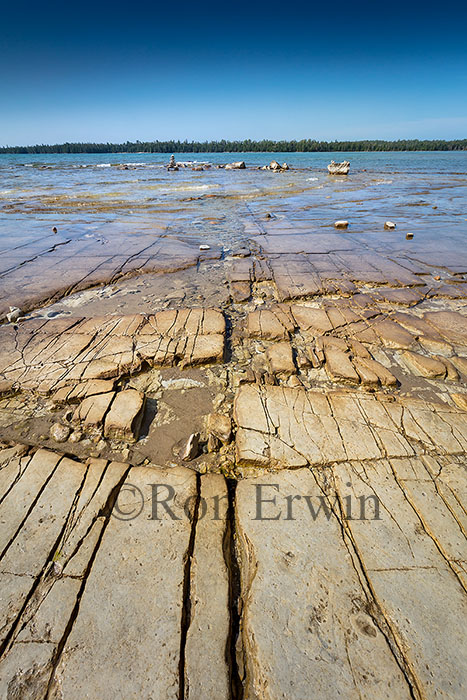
(106, 71)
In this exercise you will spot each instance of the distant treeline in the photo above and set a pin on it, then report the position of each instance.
(303, 146)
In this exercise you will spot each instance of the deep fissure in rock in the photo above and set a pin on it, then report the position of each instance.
(233, 569)
(186, 609)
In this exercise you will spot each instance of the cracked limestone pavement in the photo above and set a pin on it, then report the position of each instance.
(328, 390)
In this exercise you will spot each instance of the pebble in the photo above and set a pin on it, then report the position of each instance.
(76, 436)
(190, 449)
(204, 247)
(409, 236)
(14, 314)
(389, 226)
(59, 432)
(341, 224)
(54, 229)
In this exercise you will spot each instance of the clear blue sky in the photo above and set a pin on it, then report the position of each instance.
(112, 71)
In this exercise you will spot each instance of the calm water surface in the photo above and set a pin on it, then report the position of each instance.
(82, 193)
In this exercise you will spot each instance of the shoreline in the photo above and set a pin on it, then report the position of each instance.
(303, 361)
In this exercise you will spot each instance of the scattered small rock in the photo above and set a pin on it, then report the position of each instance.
(76, 436)
(341, 224)
(389, 226)
(190, 449)
(59, 432)
(14, 314)
(54, 229)
(203, 246)
(274, 165)
(220, 426)
(214, 444)
(409, 236)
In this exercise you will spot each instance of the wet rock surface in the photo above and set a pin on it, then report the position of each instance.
(142, 427)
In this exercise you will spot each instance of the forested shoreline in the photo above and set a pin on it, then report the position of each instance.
(264, 146)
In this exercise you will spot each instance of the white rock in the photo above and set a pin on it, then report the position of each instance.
(240, 165)
(341, 224)
(59, 432)
(203, 246)
(14, 314)
(191, 448)
(389, 226)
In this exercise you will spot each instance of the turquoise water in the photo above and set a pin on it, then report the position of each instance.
(396, 161)
(81, 193)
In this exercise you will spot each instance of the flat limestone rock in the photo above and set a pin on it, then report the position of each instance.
(54, 523)
(91, 412)
(461, 364)
(368, 378)
(61, 353)
(311, 319)
(72, 394)
(339, 367)
(383, 374)
(460, 400)
(306, 626)
(393, 335)
(280, 427)
(284, 427)
(266, 324)
(425, 366)
(206, 670)
(280, 359)
(404, 297)
(407, 558)
(125, 641)
(451, 324)
(241, 291)
(124, 418)
(204, 349)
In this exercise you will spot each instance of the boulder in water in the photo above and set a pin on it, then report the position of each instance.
(240, 165)
(339, 168)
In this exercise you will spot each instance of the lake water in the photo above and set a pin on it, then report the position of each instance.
(113, 198)
(93, 188)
